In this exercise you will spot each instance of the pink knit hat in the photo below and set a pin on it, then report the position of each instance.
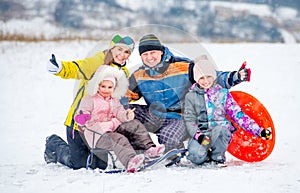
(203, 67)
(112, 79)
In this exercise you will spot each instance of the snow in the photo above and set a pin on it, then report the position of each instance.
(34, 104)
(257, 9)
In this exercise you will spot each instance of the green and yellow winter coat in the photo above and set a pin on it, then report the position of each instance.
(82, 70)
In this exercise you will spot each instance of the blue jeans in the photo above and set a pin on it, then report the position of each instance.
(220, 138)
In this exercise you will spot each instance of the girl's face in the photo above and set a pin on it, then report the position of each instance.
(152, 58)
(120, 54)
(206, 82)
(106, 88)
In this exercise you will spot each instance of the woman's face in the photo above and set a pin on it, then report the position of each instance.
(120, 54)
(206, 82)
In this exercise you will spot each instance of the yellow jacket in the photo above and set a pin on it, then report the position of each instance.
(82, 70)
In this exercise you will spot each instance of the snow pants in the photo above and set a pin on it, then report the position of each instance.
(128, 137)
(74, 153)
(215, 151)
(170, 132)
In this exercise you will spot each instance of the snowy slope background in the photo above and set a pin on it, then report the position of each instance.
(34, 104)
(266, 21)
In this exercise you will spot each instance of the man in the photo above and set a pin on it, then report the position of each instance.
(163, 81)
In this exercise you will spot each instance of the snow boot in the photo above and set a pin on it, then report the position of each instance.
(154, 152)
(54, 143)
(135, 163)
(50, 154)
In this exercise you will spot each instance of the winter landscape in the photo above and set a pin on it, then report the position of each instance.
(34, 105)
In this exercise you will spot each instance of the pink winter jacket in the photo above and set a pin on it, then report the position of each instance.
(106, 115)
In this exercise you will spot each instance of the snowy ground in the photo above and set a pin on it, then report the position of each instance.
(34, 105)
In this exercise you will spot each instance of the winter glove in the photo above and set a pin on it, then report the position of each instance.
(244, 73)
(266, 133)
(53, 65)
(125, 102)
(202, 138)
(81, 119)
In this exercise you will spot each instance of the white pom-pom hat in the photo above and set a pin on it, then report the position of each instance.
(104, 72)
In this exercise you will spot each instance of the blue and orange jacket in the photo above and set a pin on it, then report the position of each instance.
(164, 88)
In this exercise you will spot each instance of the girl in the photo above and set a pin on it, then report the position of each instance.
(206, 105)
(102, 112)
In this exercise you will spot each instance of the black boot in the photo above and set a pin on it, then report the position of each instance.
(50, 154)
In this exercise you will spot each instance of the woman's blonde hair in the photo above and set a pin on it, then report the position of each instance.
(108, 58)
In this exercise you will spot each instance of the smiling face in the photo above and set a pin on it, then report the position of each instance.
(120, 54)
(106, 88)
(206, 82)
(152, 58)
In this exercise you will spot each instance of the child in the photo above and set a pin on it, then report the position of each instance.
(102, 112)
(206, 105)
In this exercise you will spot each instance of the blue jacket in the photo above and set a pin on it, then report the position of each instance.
(165, 86)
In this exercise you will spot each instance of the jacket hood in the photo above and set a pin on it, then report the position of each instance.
(109, 71)
(195, 88)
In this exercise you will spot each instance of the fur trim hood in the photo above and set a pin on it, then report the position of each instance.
(109, 71)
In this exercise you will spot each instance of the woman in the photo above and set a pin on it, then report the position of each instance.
(75, 153)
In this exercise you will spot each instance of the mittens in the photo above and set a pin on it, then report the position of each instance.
(202, 138)
(246, 73)
(81, 119)
(266, 133)
(54, 66)
(243, 74)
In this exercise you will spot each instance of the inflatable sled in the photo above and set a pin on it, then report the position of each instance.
(244, 145)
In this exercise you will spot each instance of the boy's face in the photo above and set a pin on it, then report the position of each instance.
(106, 88)
(152, 58)
(206, 82)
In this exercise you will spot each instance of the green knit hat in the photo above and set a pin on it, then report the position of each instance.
(126, 41)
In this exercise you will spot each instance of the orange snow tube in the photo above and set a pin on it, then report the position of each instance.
(244, 145)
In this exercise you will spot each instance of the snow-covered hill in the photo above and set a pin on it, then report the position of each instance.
(215, 21)
(34, 104)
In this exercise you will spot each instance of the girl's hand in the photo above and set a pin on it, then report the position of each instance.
(266, 133)
(81, 119)
(130, 114)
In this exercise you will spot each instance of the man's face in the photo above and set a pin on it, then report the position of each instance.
(152, 58)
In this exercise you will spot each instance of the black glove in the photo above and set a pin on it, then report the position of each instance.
(203, 139)
(266, 134)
